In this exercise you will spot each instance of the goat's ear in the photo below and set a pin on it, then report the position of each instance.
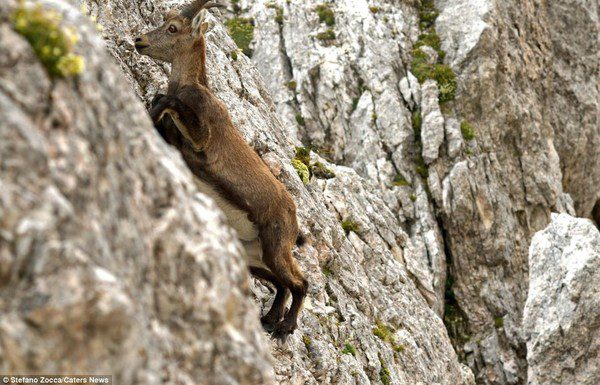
(198, 24)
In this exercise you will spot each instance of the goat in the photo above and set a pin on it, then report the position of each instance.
(192, 119)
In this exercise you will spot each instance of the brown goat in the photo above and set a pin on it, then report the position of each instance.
(191, 118)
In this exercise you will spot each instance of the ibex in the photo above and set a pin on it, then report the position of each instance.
(191, 118)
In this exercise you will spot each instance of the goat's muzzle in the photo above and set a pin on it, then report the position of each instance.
(141, 43)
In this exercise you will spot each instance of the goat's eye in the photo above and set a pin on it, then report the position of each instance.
(172, 29)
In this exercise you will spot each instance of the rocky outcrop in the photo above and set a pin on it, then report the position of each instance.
(470, 201)
(562, 311)
(112, 261)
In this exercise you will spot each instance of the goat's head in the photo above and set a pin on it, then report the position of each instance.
(179, 32)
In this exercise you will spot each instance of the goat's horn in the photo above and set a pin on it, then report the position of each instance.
(192, 10)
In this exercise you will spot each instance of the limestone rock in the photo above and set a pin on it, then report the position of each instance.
(104, 233)
(527, 77)
(111, 261)
(562, 311)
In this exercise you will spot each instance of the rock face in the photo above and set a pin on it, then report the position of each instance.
(112, 261)
(470, 205)
(562, 311)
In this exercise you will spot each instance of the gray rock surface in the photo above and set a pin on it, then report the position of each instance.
(562, 312)
(110, 260)
(527, 83)
(103, 234)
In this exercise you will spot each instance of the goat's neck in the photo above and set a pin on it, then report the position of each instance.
(189, 68)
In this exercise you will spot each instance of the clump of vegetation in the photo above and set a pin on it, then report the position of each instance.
(327, 35)
(349, 349)
(441, 73)
(325, 14)
(302, 170)
(400, 180)
(467, 130)
(234, 55)
(384, 373)
(327, 271)
(499, 322)
(319, 170)
(374, 9)
(241, 31)
(454, 318)
(383, 331)
(303, 155)
(292, 85)
(300, 119)
(307, 341)
(52, 43)
(350, 226)
(302, 163)
(316, 169)
(427, 17)
(421, 66)
(422, 168)
(374, 117)
(278, 12)
(386, 334)
(446, 80)
(430, 39)
(417, 121)
(354, 104)
(413, 197)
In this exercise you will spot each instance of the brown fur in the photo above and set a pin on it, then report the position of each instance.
(199, 126)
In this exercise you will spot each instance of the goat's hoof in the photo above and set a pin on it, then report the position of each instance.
(283, 330)
(268, 324)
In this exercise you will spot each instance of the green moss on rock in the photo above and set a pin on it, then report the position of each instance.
(384, 373)
(325, 14)
(300, 119)
(291, 85)
(307, 341)
(400, 180)
(241, 31)
(52, 43)
(499, 322)
(386, 334)
(350, 226)
(302, 170)
(467, 130)
(303, 155)
(349, 349)
(320, 171)
(327, 35)
(430, 39)
(446, 80)
(278, 12)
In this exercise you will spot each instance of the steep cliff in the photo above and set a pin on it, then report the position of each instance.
(112, 261)
(471, 179)
(443, 134)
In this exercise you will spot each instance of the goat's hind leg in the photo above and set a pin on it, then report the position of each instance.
(278, 257)
(271, 319)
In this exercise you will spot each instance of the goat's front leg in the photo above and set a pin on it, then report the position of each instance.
(184, 117)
